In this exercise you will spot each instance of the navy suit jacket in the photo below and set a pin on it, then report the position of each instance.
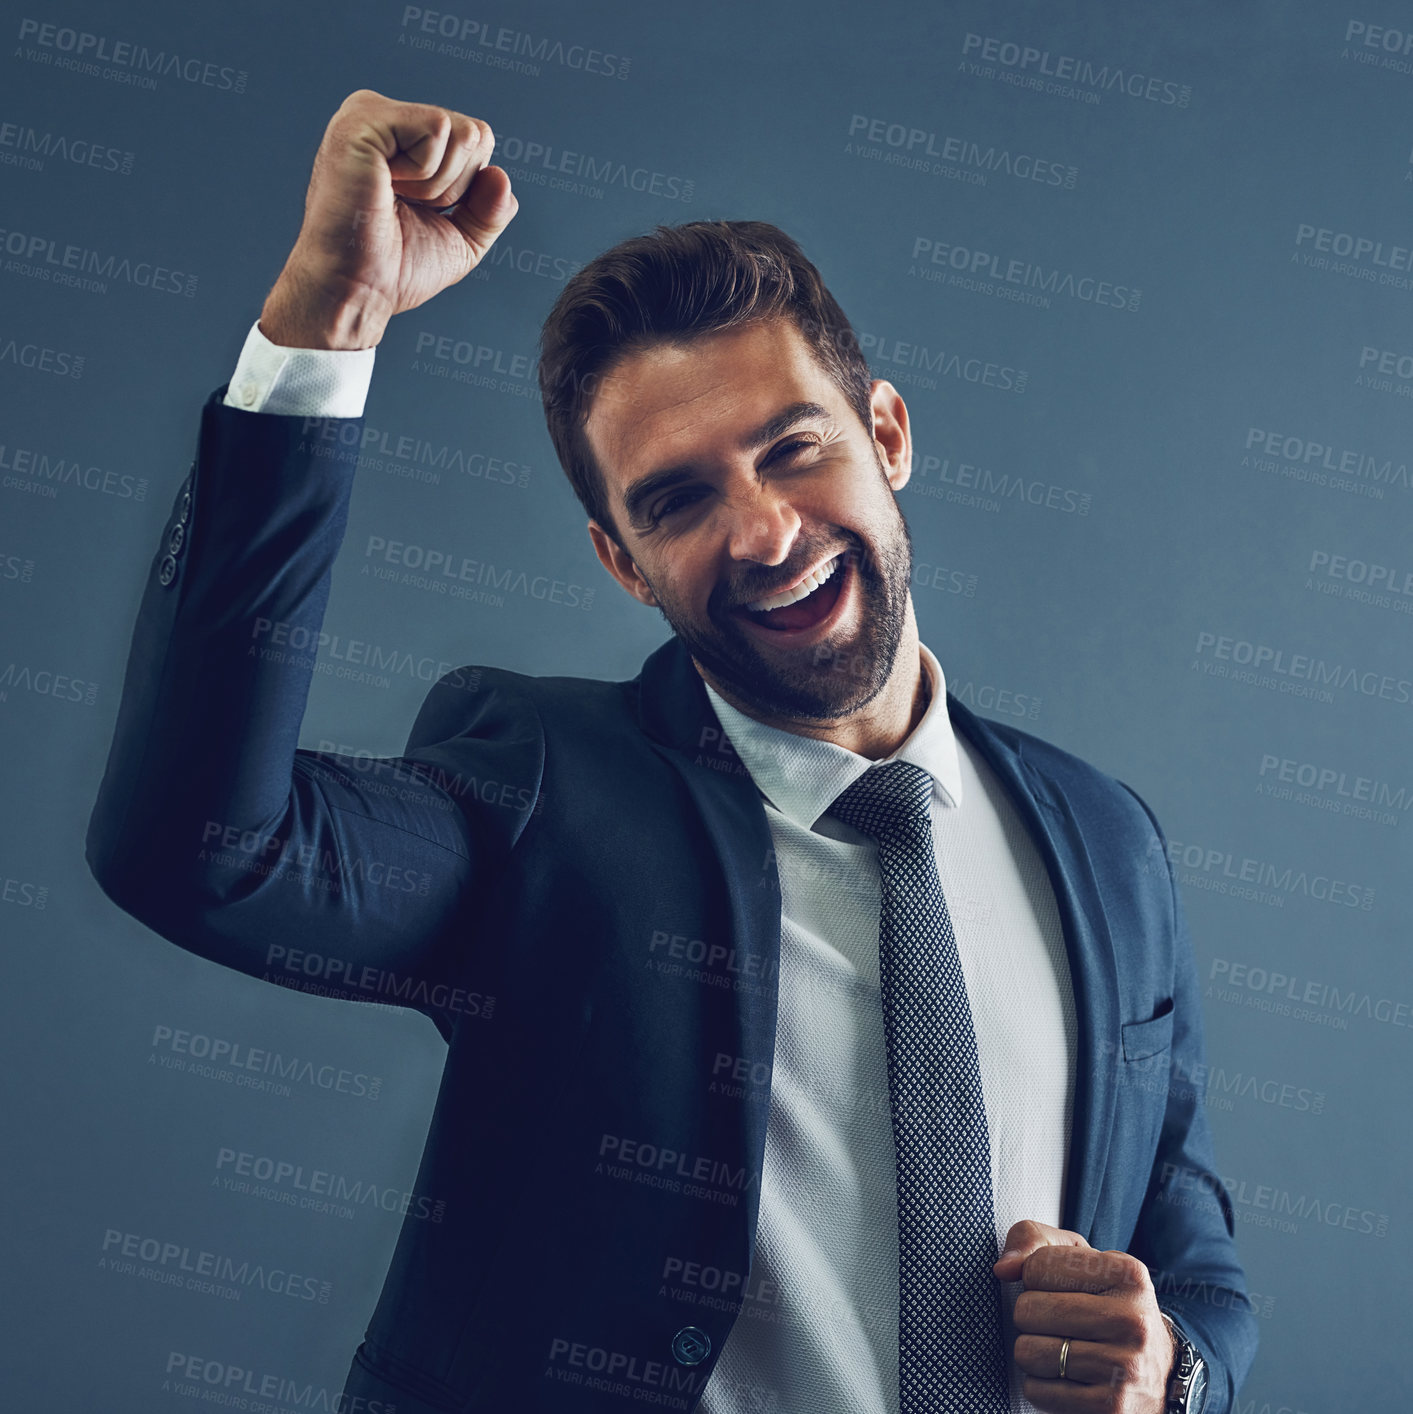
(574, 880)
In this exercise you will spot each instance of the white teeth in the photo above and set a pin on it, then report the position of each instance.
(806, 586)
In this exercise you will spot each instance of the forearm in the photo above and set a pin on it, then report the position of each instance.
(1206, 1294)
(1186, 1228)
(223, 655)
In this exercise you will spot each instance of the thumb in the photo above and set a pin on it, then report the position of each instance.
(1025, 1237)
(486, 208)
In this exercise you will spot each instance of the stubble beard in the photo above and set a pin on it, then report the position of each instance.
(828, 679)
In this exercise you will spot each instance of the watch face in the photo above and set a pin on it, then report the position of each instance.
(1197, 1392)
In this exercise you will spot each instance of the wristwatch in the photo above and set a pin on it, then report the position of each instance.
(1187, 1384)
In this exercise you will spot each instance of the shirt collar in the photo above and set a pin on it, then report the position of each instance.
(802, 776)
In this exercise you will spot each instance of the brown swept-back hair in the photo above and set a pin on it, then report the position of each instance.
(670, 286)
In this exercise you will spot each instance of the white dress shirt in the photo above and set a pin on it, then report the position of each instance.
(299, 382)
(818, 1329)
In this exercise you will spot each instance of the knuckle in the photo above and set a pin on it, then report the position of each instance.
(1131, 1328)
(435, 125)
(1039, 1267)
(1131, 1270)
(365, 103)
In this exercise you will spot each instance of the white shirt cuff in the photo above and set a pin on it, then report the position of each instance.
(299, 382)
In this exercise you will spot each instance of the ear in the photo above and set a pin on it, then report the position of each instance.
(891, 434)
(620, 564)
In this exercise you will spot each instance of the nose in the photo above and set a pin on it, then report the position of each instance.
(763, 525)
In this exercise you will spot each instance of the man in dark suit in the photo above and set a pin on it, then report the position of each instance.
(778, 987)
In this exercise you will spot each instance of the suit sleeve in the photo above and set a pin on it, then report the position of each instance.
(329, 873)
(1186, 1230)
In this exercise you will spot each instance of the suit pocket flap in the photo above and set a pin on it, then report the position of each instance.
(1148, 1038)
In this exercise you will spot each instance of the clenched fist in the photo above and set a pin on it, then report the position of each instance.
(1101, 1308)
(374, 240)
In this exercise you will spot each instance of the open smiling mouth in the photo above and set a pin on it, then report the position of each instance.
(809, 603)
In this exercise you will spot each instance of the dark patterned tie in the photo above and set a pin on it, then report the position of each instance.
(952, 1356)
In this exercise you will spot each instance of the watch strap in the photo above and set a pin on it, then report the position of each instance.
(1185, 1355)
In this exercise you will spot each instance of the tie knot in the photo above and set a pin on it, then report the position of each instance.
(891, 800)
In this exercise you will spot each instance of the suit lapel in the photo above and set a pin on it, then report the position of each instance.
(1093, 977)
(676, 714)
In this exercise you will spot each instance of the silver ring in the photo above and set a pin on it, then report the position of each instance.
(1064, 1357)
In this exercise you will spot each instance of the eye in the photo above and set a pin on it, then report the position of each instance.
(787, 448)
(671, 504)
(678, 499)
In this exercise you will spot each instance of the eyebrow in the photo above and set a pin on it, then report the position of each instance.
(641, 491)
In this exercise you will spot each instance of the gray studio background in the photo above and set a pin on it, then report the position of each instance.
(1160, 504)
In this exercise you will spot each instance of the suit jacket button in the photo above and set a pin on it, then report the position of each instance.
(174, 541)
(167, 570)
(691, 1345)
(185, 509)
